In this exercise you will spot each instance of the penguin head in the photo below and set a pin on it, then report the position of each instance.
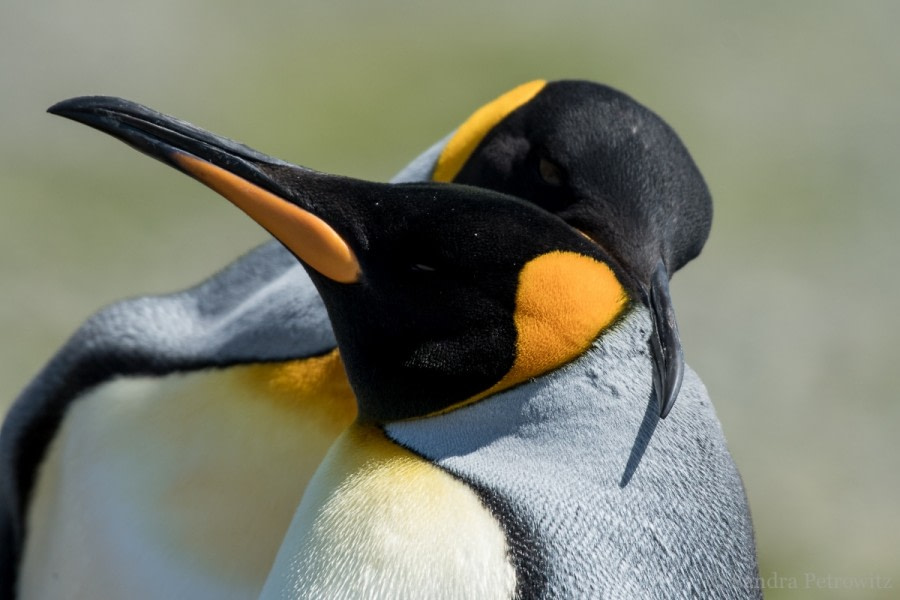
(596, 158)
(439, 295)
(609, 167)
(461, 293)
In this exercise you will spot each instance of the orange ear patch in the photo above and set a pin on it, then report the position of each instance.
(564, 301)
(469, 135)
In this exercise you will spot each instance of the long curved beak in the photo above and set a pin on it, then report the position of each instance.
(665, 343)
(261, 186)
(283, 198)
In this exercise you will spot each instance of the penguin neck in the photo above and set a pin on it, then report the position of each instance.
(577, 463)
(611, 381)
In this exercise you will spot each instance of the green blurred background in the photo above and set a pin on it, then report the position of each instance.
(791, 109)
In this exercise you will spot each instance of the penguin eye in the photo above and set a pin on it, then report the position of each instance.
(550, 172)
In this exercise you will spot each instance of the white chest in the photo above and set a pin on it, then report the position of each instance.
(179, 486)
(377, 521)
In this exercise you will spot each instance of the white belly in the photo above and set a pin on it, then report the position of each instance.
(377, 521)
(179, 487)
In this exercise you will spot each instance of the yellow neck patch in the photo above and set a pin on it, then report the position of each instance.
(316, 387)
(564, 301)
(469, 135)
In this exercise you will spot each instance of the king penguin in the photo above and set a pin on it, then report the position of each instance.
(258, 330)
(499, 360)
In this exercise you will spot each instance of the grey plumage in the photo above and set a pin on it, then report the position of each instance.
(619, 503)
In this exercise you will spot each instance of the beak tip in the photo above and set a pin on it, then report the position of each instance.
(665, 343)
(61, 108)
(666, 400)
(90, 108)
(74, 105)
(665, 389)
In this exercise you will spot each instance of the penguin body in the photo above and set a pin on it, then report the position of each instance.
(598, 497)
(430, 164)
(204, 511)
(593, 499)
